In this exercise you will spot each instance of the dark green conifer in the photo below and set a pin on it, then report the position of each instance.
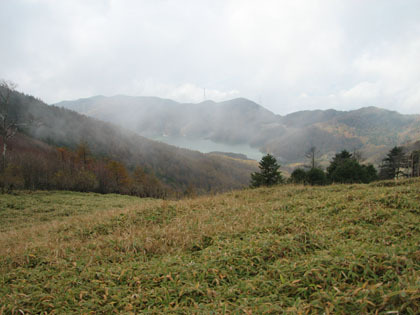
(269, 174)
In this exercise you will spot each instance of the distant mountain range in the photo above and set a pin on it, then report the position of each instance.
(370, 130)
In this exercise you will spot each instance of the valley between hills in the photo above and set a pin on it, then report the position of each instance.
(370, 130)
(115, 135)
(210, 157)
(76, 238)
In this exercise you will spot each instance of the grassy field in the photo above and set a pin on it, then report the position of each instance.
(339, 249)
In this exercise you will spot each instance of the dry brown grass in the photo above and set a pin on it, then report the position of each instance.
(348, 248)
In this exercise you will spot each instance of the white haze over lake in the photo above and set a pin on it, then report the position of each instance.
(285, 55)
(207, 146)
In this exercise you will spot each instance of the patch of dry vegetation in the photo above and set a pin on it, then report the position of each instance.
(341, 248)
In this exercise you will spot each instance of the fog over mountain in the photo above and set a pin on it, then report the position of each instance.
(256, 60)
(177, 168)
(239, 121)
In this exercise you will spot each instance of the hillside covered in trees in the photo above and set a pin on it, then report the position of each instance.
(240, 121)
(175, 170)
(57, 148)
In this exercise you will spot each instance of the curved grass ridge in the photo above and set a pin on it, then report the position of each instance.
(292, 249)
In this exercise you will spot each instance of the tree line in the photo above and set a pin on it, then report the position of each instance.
(35, 165)
(400, 162)
(29, 166)
(345, 167)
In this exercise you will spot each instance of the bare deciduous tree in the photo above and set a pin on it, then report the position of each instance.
(358, 156)
(312, 156)
(8, 124)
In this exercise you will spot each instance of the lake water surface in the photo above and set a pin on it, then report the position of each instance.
(206, 146)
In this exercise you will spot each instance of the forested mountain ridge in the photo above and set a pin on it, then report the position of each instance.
(178, 168)
(240, 121)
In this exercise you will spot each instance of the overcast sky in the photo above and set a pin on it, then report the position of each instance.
(285, 55)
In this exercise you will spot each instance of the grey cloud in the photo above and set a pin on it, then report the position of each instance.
(287, 55)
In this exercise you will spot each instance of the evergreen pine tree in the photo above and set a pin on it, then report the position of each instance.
(269, 174)
(344, 168)
(392, 164)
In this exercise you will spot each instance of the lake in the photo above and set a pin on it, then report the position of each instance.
(206, 146)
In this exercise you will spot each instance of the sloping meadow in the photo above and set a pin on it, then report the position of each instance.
(294, 249)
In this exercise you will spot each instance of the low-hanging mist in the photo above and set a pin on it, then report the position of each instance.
(179, 169)
(242, 124)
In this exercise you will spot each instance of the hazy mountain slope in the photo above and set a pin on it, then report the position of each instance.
(371, 130)
(293, 145)
(308, 117)
(413, 146)
(235, 121)
(377, 126)
(177, 167)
